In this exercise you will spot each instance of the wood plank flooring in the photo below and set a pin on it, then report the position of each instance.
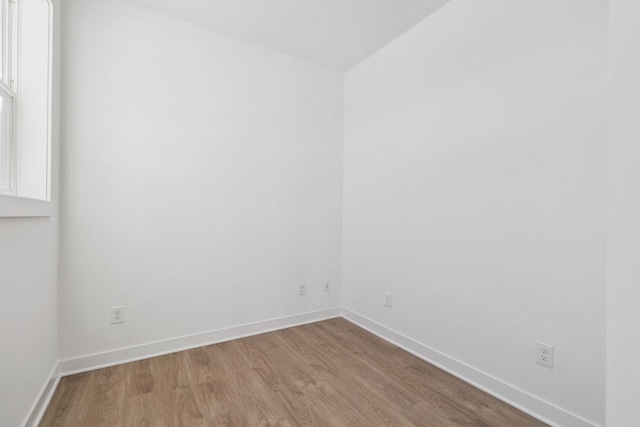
(329, 373)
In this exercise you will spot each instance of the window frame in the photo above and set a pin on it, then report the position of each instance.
(12, 203)
(8, 54)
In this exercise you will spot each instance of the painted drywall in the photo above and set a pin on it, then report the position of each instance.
(29, 292)
(623, 292)
(201, 180)
(28, 319)
(475, 191)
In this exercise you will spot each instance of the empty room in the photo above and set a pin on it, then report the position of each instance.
(320, 213)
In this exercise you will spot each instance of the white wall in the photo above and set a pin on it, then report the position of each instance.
(29, 295)
(475, 191)
(28, 319)
(623, 290)
(201, 181)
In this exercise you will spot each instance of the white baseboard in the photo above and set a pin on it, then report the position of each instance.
(173, 345)
(534, 406)
(41, 403)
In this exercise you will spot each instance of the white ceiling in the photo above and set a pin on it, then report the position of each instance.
(335, 33)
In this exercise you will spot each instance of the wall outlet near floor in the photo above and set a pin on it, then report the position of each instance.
(387, 299)
(544, 354)
(302, 289)
(327, 285)
(117, 314)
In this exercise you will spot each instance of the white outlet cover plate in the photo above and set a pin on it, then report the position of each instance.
(327, 285)
(544, 354)
(388, 299)
(117, 314)
(302, 289)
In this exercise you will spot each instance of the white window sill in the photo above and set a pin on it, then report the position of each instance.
(14, 207)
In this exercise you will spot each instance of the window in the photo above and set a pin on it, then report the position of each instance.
(25, 103)
(7, 95)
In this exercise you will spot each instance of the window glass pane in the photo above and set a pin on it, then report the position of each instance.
(3, 154)
(5, 143)
(3, 20)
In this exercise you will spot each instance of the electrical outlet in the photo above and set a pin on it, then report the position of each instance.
(544, 354)
(302, 289)
(327, 285)
(117, 314)
(387, 299)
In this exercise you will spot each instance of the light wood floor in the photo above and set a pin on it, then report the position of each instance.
(330, 373)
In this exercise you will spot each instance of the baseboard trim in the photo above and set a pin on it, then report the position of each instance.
(527, 403)
(46, 393)
(145, 351)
